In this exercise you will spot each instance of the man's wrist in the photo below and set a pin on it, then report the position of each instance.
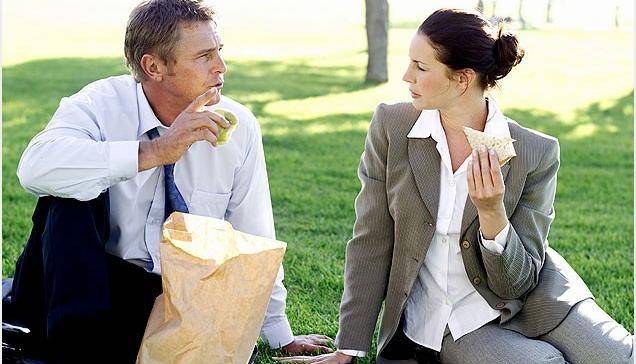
(149, 155)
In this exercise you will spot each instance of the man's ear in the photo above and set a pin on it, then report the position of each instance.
(154, 68)
(465, 78)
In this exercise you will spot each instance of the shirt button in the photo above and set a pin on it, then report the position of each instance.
(500, 305)
(465, 244)
(445, 240)
(477, 281)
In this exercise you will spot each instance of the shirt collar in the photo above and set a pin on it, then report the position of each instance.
(429, 124)
(147, 118)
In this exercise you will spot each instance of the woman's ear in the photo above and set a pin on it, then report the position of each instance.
(154, 68)
(465, 78)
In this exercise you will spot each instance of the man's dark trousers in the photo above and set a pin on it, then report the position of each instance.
(80, 303)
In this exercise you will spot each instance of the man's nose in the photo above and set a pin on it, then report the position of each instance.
(219, 66)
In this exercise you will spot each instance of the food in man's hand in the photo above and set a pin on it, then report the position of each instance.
(226, 133)
(503, 146)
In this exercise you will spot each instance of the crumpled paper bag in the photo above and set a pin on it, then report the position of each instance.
(216, 287)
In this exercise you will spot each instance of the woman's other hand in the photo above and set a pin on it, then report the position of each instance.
(486, 190)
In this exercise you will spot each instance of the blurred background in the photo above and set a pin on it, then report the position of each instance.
(301, 68)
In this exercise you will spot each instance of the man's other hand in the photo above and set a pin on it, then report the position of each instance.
(309, 344)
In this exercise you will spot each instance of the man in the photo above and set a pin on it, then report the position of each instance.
(115, 160)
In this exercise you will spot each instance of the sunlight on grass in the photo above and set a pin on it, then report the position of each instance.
(307, 89)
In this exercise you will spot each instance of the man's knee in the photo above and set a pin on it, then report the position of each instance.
(80, 220)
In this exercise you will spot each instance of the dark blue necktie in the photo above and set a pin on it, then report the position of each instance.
(174, 200)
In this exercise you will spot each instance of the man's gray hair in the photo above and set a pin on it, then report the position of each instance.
(153, 27)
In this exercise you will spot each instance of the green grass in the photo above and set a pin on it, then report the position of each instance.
(315, 112)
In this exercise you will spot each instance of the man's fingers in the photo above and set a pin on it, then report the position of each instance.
(312, 348)
(205, 123)
(324, 349)
(320, 339)
(218, 119)
(205, 134)
(203, 99)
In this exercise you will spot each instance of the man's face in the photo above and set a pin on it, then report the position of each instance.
(198, 63)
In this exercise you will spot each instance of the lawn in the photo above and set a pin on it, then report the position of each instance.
(314, 113)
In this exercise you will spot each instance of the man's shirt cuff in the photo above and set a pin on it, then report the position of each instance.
(123, 161)
(278, 335)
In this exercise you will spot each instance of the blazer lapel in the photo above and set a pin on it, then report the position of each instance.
(425, 163)
(470, 211)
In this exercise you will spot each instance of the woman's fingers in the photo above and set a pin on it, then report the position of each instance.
(484, 162)
(495, 171)
(479, 184)
(471, 178)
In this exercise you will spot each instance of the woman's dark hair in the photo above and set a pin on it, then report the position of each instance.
(465, 39)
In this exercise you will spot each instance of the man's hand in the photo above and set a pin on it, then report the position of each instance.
(191, 126)
(331, 358)
(308, 344)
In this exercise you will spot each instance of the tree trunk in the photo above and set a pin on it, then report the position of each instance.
(617, 15)
(377, 18)
(522, 20)
(480, 6)
(548, 12)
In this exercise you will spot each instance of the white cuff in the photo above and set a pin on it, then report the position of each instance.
(498, 245)
(357, 353)
(278, 335)
(122, 160)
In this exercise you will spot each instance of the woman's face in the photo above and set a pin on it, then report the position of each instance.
(427, 77)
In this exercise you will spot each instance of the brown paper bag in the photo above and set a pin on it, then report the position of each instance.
(216, 286)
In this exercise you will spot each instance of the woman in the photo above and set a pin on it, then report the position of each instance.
(455, 246)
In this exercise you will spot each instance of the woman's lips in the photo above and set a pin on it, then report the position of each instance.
(414, 95)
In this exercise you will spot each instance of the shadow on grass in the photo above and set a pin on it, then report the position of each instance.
(312, 170)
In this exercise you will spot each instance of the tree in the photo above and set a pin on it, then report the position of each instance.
(377, 19)
(522, 20)
(548, 12)
(480, 6)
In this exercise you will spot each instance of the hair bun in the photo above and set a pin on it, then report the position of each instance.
(507, 54)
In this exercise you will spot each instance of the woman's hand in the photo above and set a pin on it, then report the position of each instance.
(486, 189)
(331, 358)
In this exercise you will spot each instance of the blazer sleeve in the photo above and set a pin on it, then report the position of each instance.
(369, 252)
(515, 271)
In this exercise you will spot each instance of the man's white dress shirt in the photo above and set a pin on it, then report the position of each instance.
(442, 293)
(91, 144)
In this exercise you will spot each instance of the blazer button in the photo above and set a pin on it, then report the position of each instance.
(500, 305)
(465, 244)
(477, 281)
